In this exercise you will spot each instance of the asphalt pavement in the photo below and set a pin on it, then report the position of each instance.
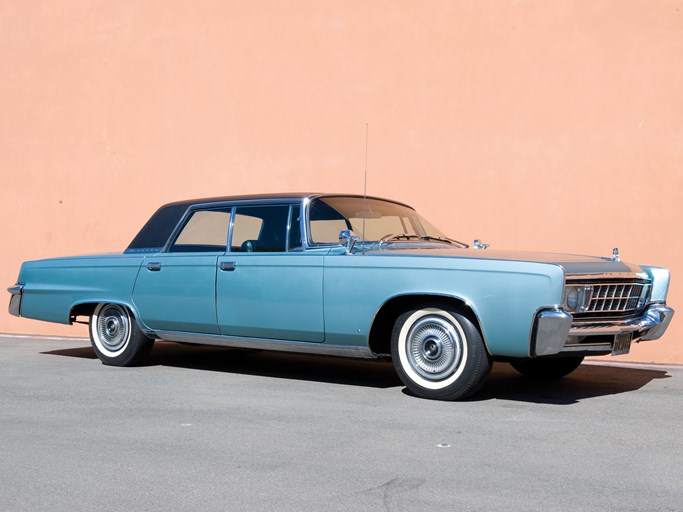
(203, 428)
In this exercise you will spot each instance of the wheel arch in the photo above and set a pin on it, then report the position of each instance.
(379, 340)
(87, 308)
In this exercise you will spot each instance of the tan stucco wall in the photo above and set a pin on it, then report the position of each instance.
(533, 125)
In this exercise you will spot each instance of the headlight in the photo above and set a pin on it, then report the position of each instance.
(577, 298)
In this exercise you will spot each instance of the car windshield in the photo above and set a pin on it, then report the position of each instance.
(384, 221)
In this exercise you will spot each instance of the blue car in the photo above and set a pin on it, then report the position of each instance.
(350, 276)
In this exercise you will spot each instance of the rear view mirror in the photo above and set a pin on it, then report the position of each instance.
(368, 214)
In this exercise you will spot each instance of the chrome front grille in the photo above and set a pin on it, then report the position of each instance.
(616, 297)
(613, 297)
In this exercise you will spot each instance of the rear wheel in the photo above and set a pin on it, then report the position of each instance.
(546, 369)
(438, 353)
(116, 337)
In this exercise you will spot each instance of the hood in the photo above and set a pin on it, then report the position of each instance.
(570, 263)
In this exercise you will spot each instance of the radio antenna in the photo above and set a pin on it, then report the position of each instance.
(365, 186)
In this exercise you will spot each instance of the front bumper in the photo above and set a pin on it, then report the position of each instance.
(555, 331)
(15, 299)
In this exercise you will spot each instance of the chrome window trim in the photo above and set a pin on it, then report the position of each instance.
(228, 204)
(289, 227)
(228, 245)
(302, 224)
(305, 231)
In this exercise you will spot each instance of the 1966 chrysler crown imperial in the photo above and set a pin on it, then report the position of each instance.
(286, 272)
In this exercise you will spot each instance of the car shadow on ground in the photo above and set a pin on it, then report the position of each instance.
(588, 381)
(281, 365)
(504, 383)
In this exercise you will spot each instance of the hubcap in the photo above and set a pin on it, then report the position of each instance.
(112, 327)
(434, 347)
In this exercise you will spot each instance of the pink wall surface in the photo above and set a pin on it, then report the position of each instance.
(534, 125)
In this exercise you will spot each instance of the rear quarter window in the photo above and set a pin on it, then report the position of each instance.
(155, 233)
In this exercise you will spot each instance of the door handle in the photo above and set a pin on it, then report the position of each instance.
(154, 266)
(228, 266)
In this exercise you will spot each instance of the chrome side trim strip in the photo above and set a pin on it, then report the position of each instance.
(266, 344)
(15, 300)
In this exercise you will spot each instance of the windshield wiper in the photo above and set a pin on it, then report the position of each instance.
(402, 236)
(408, 236)
(445, 239)
(388, 238)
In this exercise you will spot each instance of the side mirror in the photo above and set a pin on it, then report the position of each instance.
(348, 239)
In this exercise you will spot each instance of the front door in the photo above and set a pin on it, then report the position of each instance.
(266, 285)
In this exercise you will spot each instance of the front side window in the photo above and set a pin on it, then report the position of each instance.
(204, 231)
(260, 229)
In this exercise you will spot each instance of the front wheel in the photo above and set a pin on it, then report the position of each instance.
(439, 354)
(546, 368)
(116, 337)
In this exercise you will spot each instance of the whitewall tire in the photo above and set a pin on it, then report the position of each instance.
(438, 353)
(116, 337)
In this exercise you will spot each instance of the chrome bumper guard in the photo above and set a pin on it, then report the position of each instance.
(554, 331)
(15, 299)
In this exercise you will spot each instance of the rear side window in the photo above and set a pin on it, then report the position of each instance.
(204, 231)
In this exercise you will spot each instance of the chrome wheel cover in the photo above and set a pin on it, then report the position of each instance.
(113, 327)
(433, 347)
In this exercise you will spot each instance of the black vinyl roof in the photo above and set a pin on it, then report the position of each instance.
(247, 197)
(289, 196)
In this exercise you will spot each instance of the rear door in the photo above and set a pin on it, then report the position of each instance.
(176, 290)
